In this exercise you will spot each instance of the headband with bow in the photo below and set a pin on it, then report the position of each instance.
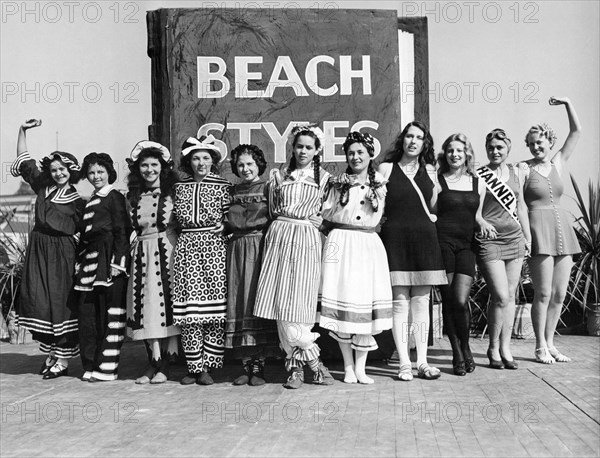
(197, 145)
(147, 144)
(299, 129)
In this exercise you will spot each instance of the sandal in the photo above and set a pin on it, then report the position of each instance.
(558, 356)
(427, 372)
(542, 355)
(405, 373)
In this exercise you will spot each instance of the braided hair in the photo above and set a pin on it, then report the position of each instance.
(369, 143)
(308, 131)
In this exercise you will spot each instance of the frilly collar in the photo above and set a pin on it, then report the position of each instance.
(346, 178)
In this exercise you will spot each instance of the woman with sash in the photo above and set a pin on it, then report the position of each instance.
(553, 239)
(501, 250)
(410, 238)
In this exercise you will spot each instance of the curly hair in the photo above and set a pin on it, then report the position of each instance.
(136, 184)
(251, 150)
(469, 154)
(103, 160)
(426, 156)
(316, 158)
(185, 165)
(71, 164)
(543, 130)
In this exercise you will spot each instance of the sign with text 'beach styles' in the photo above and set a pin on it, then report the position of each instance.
(250, 75)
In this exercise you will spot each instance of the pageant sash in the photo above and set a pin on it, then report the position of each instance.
(500, 190)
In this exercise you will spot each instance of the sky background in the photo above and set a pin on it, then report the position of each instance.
(82, 68)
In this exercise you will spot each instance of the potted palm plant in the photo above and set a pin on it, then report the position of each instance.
(13, 246)
(584, 288)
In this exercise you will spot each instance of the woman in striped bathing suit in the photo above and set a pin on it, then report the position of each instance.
(289, 279)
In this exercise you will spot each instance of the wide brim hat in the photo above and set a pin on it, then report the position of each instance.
(207, 144)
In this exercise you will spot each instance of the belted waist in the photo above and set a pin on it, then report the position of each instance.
(306, 222)
(350, 227)
(200, 229)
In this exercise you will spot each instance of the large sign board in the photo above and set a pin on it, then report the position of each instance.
(250, 75)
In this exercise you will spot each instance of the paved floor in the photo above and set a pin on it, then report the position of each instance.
(535, 411)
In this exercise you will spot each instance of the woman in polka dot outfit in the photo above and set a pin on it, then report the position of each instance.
(199, 277)
(553, 239)
(149, 304)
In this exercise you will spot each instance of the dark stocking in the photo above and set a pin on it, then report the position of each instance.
(461, 287)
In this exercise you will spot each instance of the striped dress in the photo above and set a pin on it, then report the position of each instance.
(289, 279)
(199, 277)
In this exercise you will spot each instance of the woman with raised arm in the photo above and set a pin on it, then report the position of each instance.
(410, 238)
(553, 239)
(502, 248)
(47, 307)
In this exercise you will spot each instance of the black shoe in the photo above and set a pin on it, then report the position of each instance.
(205, 379)
(512, 365)
(469, 365)
(494, 363)
(45, 367)
(189, 379)
(459, 368)
(55, 374)
(258, 373)
(245, 377)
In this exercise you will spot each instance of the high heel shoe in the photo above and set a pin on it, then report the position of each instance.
(494, 363)
(513, 365)
(469, 365)
(459, 368)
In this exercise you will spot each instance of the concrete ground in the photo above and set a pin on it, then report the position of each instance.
(537, 410)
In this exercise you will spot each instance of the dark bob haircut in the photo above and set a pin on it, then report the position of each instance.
(102, 159)
(253, 151)
(66, 159)
(185, 165)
